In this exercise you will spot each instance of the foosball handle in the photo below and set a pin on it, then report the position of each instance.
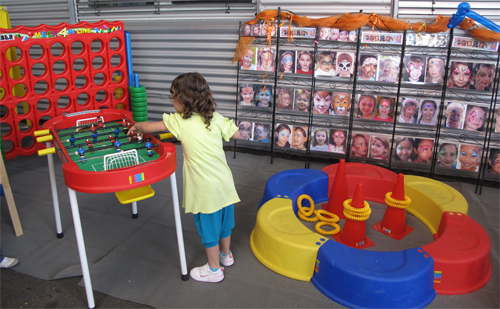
(41, 132)
(46, 138)
(47, 151)
(165, 135)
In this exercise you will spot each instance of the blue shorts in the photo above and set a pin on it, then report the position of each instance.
(215, 226)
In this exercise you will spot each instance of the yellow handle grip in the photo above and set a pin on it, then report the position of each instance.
(47, 151)
(166, 135)
(46, 138)
(42, 132)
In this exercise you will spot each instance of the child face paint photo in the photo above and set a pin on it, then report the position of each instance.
(404, 150)
(474, 120)
(344, 64)
(494, 162)
(341, 104)
(415, 70)
(302, 100)
(261, 133)
(245, 129)
(379, 148)
(299, 138)
(320, 137)
(423, 151)
(368, 68)
(460, 75)
(384, 108)
(427, 112)
(454, 114)
(483, 76)
(448, 154)
(366, 106)
(322, 102)
(247, 63)
(246, 94)
(326, 64)
(283, 135)
(265, 97)
(469, 157)
(339, 138)
(435, 70)
(304, 63)
(360, 145)
(324, 33)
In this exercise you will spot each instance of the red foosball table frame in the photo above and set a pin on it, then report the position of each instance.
(115, 180)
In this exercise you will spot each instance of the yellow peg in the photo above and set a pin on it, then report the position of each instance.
(46, 138)
(166, 135)
(47, 151)
(41, 132)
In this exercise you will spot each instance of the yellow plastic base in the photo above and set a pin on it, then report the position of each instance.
(134, 195)
(282, 243)
(431, 198)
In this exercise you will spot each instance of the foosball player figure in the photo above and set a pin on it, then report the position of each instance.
(95, 135)
(100, 123)
(81, 152)
(117, 145)
(124, 124)
(148, 146)
(117, 131)
(90, 146)
(72, 140)
(111, 139)
(92, 128)
(87, 141)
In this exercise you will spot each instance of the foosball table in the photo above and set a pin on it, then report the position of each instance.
(99, 157)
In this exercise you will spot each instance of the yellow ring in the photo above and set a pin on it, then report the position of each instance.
(390, 201)
(308, 219)
(323, 232)
(299, 204)
(320, 212)
(348, 207)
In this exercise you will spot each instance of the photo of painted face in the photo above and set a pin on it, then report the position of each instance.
(388, 69)
(427, 113)
(302, 100)
(475, 118)
(460, 75)
(325, 65)
(379, 148)
(414, 69)
(367, 67)
(435, 70)
(408, 111)
(352, 36)
(423, 151)
(249, 60)
(285, 98)
(483, 75)
(494, 162)
(338, 141)
(455, 113)
(287, 61)
(261, 132)
(264, 95)
(469, 158)
(319, 139)
(324, 33)
(246, 94)
(282, 138)
(360, 145)
(345, 64)
(447, 155)
(366, 106)
(299, 138)
(334, 34)
(256, 30)
(403, 150)
(304, 62)
(343, 35)
(245, 128)
(265, 59)
(384, 109)
(341, 104)
(264, 29)
(246, 30)
(322, 101)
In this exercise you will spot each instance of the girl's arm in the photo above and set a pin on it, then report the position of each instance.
(148, 127)
(236, 135)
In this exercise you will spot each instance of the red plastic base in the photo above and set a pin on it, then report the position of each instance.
(381, 229)
(366, 243)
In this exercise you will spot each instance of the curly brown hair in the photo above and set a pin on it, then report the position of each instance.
(193, 93)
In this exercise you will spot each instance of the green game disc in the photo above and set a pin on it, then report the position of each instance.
(137, 89)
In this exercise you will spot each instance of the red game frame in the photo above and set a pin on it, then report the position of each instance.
(27, 108)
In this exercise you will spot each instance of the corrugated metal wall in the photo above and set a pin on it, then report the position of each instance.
(31, 13)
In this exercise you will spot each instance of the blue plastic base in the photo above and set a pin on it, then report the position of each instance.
(369, 279)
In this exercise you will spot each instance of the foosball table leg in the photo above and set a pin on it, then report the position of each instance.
(135, 215)
(53, 187)
(178, 227)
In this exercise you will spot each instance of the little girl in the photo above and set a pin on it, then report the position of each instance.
(423, 150)
(209, 191)
(384, 109)
(359, 146)
(299, 139)
(404, 149)
(427, 112)
(338, 142)
(380, 148)
(319, 138)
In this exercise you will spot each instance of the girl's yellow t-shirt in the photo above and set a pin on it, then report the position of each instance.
(208, 181)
